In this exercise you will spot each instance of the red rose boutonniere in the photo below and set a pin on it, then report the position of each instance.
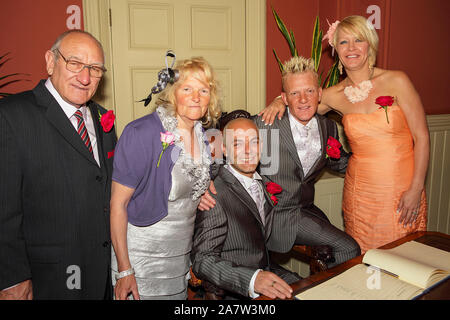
(273, 188)
(384, 102)
(333, 150)
(107, 120)
(167, 139)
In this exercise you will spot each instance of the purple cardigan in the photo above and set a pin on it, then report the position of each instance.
(135, 159)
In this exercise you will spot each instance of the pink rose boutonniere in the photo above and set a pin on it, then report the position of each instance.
(384, 102)
(167, 139)
(273, 189)
(333, 150)
(107, 120)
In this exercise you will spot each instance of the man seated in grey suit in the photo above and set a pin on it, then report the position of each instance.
(229, 247)
(294, 155)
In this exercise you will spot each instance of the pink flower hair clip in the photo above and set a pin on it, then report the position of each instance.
(330, 33)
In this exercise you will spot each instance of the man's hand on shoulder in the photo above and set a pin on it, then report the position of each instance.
(21, 291)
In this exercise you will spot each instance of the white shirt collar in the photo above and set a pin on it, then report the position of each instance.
(295, 123)
(244, 180)
(68, 109)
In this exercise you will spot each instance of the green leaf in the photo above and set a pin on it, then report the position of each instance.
(318, 51)
(9, 82)
(4, 60)
(9, 75)
(316, 48)
(315, 36)
(1, 57)
(320, 78)
(293, 41)
(333, 74)
(285, 32)
(280, 64)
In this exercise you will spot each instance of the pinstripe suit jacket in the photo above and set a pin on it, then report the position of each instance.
(230, 239)
(298, 189)
(54, 199)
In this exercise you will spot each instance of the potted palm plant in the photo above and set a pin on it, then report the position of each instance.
(332, 76)
(7, 79)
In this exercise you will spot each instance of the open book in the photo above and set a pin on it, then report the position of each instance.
(387, 274)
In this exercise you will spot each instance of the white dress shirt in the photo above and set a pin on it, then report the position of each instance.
(246, 182)
(307, 141)
(70, 110)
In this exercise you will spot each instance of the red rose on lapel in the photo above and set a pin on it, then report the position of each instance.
(273, 188)
(333, 150)
(107, 121)
(274, 200)
(334, 153)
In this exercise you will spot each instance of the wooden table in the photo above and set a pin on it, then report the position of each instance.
(434, 239)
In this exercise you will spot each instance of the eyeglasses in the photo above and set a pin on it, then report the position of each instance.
(77, 67)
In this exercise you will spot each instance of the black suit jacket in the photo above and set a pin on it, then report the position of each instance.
(54, 199)
(230, 239)
(298, 188)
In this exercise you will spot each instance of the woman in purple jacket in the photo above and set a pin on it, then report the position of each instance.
(161, 168)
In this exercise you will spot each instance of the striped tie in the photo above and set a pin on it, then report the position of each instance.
(258, 197)
(82, 131)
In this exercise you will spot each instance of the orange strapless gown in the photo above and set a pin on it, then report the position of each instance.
(379, 171)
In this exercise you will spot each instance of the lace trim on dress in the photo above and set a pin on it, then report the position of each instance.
(358, 93)
(197, 172)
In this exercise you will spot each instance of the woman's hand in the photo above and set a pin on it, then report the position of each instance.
(207, 202)
(409, 206)
(277, 107)
(125, 286)
(412, 108)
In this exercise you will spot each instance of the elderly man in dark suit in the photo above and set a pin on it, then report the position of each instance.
(55, 173)
(229, 247)
(294, 155)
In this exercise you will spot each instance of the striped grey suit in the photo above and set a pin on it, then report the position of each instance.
(230, 239)
(296, 219)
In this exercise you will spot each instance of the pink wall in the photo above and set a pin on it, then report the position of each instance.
(27, 29)
(413, 38)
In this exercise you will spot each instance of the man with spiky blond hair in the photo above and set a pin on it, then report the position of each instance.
(294, 154)
(303, 139)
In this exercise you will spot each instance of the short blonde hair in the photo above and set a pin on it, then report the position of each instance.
(297, 64)
(200, 69)
(361, 28)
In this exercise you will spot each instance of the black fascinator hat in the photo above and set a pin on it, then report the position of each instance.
(165, 76)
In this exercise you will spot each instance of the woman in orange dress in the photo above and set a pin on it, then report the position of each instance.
(384, 188)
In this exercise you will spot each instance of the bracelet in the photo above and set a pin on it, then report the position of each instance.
(125, 273)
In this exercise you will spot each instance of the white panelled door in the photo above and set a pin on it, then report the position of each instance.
(142, 31)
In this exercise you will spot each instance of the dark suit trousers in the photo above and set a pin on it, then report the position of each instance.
(314, 231)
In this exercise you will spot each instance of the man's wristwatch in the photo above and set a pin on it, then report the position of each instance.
(124, 273)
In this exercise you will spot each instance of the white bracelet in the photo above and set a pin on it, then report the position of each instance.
(125, 273)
